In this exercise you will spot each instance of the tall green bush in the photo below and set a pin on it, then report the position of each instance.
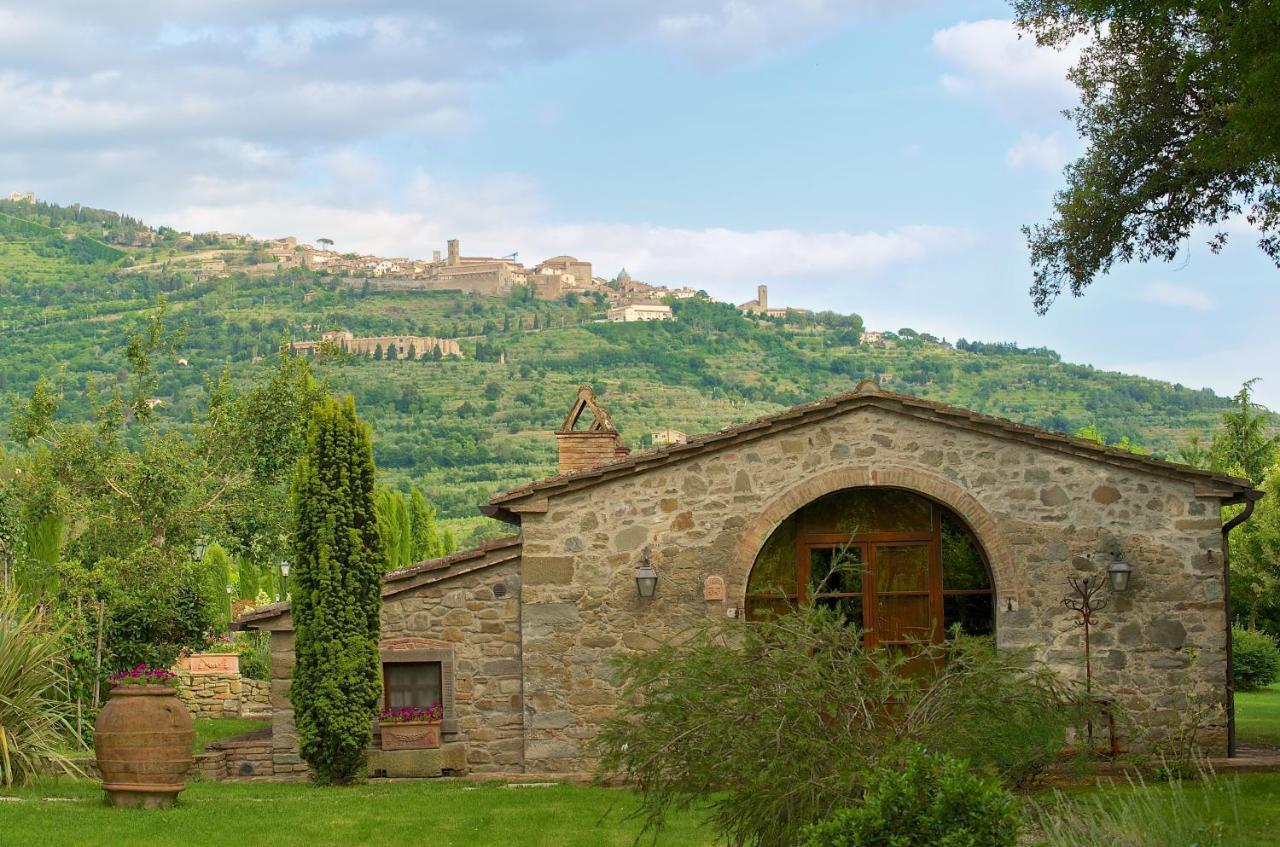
(339, 560)
(774, 725)
(924, 801)
(1255, 659)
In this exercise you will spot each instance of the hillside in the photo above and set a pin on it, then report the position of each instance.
(71, 290)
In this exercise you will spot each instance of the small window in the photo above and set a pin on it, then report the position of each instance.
(411, 684)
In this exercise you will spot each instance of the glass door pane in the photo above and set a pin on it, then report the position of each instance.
(902, 567)
(835, 580)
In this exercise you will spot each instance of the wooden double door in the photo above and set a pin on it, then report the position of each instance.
(889, 584)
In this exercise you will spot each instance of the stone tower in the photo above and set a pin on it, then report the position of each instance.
(453, 251)
(762, 297)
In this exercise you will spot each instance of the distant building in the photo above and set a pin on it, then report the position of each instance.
(876, 338)
(22, 196)
(663, 437)
(640, 312)
(760, 305)
(420, 346)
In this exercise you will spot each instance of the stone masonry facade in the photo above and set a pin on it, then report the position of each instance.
(462, 622)
(1042, 515)
(526, 627)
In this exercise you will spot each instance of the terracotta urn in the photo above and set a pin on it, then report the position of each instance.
(143, 740)
(410, 735)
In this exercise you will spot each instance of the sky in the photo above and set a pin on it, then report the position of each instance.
(856, 155)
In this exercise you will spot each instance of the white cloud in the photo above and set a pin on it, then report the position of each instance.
(991, 63)
(1033, 151)
(1168, 294)
(198, 96)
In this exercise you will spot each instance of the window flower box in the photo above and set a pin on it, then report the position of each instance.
(411, 727)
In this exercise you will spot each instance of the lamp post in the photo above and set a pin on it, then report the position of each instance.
(285, 565)
(646, 578)
(198, 549)
(230, 607)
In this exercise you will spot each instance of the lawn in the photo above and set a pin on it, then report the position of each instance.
(402, 814)
(209, 730)
(1258, 716)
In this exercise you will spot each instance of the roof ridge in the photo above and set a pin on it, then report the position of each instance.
(863, 394)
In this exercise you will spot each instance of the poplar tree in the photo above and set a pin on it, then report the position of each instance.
(336, 584)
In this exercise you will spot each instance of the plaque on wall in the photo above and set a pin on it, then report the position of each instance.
(713, 588)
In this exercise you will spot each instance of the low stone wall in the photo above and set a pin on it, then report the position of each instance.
(224, 695)
(237, 760)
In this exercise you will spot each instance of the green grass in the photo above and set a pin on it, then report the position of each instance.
(1258, 716)
(1246, 806)
(209, 730)
(283, 815)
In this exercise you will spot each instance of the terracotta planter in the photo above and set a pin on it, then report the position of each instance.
(410, 735)
(203, 664)
(143, 741)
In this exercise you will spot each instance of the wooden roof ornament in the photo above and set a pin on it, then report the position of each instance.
(596, 445)
(587, 402)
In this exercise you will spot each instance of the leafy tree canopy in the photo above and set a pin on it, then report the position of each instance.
(1180, 107)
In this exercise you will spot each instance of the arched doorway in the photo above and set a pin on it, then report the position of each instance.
(903, 567)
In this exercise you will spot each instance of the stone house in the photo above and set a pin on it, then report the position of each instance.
(955, 518)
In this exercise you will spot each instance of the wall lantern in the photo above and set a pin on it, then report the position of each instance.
(646, 577)
(1119, 571)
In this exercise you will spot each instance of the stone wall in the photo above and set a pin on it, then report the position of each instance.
(464, 616)
(224, 695)
(461, 618)
(1041, 514)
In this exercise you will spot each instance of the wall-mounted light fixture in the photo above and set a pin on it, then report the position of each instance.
(646, 577)
(1119, 571)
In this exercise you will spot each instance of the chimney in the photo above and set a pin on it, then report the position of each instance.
(453, 251)
(762, 297)
(595, 445)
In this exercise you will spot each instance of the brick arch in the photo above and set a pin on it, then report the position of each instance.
(1009, 587)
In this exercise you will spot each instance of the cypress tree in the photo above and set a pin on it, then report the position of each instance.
(336, 583)
(426, 540)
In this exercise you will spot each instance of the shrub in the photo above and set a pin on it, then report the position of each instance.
(338, 565)
(777, 724)
(929, 801)
(35, 726)
(1255, 659)
(255, 655)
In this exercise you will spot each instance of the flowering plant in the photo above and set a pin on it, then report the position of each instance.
(144, 674)
(415, 714)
